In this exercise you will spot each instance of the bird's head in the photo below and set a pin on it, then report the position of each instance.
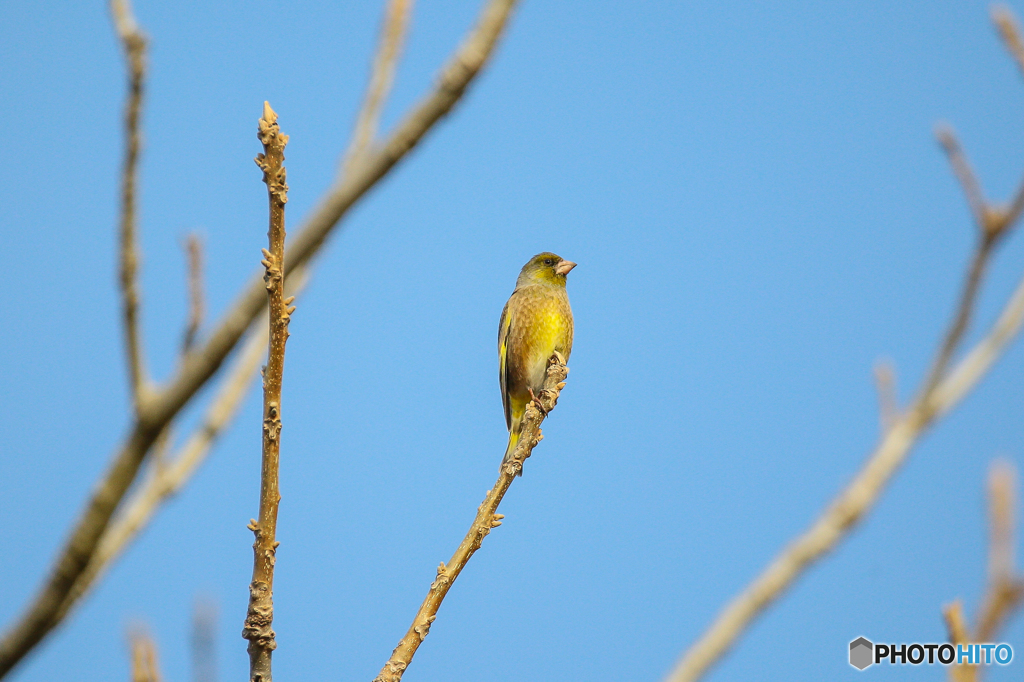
(545, 268)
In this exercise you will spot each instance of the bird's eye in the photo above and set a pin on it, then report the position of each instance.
(548, 261)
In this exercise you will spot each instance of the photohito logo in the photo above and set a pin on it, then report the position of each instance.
(864, 653)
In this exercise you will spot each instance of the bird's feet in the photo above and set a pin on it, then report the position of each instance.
(536, 401)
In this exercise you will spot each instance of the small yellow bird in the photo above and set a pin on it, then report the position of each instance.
(536, 322)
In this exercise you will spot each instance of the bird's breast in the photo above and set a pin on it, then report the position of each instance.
(543, 325)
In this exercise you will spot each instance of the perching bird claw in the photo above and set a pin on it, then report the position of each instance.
(539, 405)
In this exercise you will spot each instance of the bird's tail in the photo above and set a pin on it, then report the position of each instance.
(513, 440)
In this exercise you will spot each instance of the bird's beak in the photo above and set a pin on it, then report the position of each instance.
(564, 267)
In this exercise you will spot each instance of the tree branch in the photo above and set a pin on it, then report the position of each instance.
(199, 365)
(260, 615)
(1008, 30)
(992, 223)
(959, 633)
(382, 75)
(965, 175)
(144, 665)
(134, 44)
(486, 518)
(1005, 585)
(1006, 25)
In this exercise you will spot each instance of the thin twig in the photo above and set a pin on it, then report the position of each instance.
(1005, 23)
(1002, 485)
(991, 225)
(956, 624)
(382, 76)
(1010, 33)
(260, 615)
(1005, 585)
(144, 663)
(965, 174)
(964, 311)
(134, 43)
(196, 304)
(1005, 589)
(199, 366)
(959, 633)
(486, 519)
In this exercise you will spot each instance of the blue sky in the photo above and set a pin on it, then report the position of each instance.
(759, 211)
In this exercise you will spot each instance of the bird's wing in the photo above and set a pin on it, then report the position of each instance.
(503, 332)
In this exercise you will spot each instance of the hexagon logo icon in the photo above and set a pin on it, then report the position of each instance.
(861, 653)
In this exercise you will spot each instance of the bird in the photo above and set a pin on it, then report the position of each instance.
(535, 323)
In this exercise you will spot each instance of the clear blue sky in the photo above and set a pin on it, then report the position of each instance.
(759, 211)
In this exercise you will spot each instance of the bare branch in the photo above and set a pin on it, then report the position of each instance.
(199, 365)
(260, 615)
(382, 75)
(144, 665)
(134, 44)
(197, 306)
(1002, 485)
(1009, 31)
(1006, 24)
(965, 174)
(992, 224)
(1005, 588)
(981, 358)
(958, 634)
(486, 519)
(956, 625)
(1005, 585)
(964, 312)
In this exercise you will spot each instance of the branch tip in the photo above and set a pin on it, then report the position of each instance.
(1009, 31)
(144, 660)
(382, 75)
